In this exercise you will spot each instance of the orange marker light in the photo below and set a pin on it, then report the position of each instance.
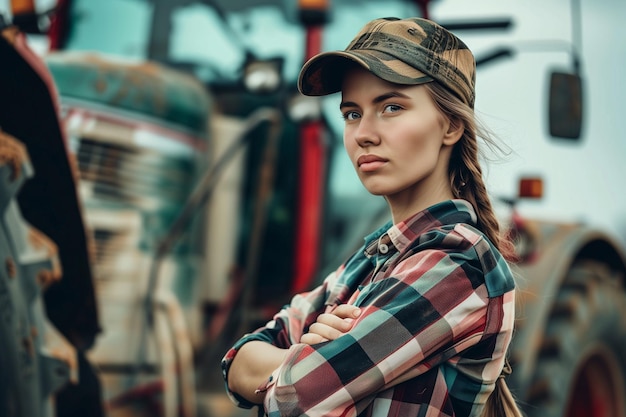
(22, 6)
(313, 12)
(531, 188)
(313, 4)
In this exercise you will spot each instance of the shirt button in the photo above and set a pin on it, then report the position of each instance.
(383, 248)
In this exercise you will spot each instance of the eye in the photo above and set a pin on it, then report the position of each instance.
(392, 108)
(351, 115)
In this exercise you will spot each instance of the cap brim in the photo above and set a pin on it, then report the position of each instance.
(323, 74)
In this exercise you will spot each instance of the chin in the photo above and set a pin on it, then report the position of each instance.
(377, 186)
(380, 191)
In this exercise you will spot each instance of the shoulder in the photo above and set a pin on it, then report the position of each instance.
(466, 247)
(499, 278)
(452, 238)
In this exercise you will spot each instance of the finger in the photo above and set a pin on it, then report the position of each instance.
(335, 322)
(312, 339)
(325, 331)
(346, 311)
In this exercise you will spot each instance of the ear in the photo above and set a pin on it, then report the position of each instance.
(454, 132)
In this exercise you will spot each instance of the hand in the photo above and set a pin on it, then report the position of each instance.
(330, 326)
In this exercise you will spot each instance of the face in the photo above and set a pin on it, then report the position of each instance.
(397, 140)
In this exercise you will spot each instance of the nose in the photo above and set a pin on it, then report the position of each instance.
(366, 132)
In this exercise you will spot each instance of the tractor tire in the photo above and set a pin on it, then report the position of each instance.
(581, 367)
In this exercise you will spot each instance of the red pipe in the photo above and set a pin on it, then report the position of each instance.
(57, 34)
(423, 6)
(312, 175)
(312, 178)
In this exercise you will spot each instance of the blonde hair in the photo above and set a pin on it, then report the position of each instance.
(501, 402)
(466, 180)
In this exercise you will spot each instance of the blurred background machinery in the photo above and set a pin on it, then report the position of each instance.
(211, 192)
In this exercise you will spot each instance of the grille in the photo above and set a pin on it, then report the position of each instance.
(132, 177)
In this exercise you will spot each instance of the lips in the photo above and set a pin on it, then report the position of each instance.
(370, 162)
(365, 159)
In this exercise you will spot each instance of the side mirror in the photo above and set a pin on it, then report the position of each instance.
(565, 105)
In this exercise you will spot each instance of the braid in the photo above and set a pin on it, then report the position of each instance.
(466, 176)
(466, 181)
(501, 402)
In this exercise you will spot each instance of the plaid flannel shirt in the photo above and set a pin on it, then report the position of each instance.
(437, 312)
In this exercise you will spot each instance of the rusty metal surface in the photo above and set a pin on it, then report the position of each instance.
(28, 111)
(35, 360)
(144, 88)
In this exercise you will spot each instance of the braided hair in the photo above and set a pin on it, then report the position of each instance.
(466, 181)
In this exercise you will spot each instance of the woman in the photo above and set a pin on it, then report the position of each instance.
(419, 320)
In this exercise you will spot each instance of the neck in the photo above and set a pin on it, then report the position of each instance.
(404, 205)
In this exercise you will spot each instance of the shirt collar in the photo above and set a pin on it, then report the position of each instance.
(402, 234)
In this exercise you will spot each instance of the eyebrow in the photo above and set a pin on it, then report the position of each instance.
(376, 100)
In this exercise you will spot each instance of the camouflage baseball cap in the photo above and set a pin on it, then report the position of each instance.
(403, 51)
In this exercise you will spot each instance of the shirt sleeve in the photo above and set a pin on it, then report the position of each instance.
(285, 329)
(431, 306)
